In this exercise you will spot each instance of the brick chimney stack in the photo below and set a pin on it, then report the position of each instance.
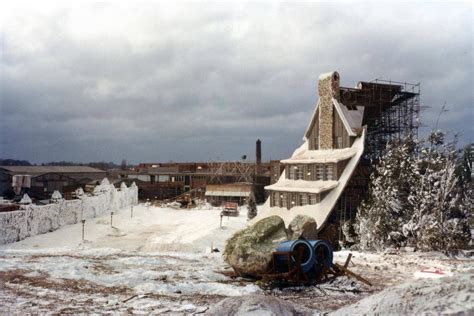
(258, 153)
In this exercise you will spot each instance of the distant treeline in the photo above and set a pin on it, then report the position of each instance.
(99, 165)
(14, 162)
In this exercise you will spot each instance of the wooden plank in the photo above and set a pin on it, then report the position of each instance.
(352, 274)
(347, 260)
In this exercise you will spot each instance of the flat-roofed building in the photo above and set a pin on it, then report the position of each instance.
(42, 181)
(217, 194)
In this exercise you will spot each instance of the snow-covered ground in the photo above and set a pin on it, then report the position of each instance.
(160, 261)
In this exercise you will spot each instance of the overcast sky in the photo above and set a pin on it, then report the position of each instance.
(202, 81)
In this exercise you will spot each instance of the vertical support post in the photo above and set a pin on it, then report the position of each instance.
(221, 221)
(346, 264)
(131, 211)
(82, 208)
(83, 223)
(111, 218)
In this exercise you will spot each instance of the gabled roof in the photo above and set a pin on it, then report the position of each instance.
(352, 119)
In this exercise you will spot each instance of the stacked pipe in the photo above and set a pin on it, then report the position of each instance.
(316, 254)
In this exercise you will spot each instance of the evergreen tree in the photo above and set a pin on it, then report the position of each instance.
(441, 214)
(416, 199)
(251, 206)
(381, 217)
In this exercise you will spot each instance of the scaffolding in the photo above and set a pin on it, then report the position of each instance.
(391, 111)
(231, 171)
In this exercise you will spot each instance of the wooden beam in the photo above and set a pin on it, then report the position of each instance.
(347, 260)
(352, 274)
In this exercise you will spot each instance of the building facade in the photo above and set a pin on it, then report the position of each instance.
(315, 176)
(41, 181)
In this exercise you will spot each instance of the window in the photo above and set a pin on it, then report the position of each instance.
(163, 178)
(319, 172)
(299, 173)
(282, 200)
(309, 173)
(303, 199)
(291, 173)
(329, 172)
(313, 199)
(275, 198)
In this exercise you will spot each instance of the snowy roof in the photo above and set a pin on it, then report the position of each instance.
(352, 119)
(37, 170)
(326, 75)
(241, 189)
(305, 156)
(228, 193)
(287, 185)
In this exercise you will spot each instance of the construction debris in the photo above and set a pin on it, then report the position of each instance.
(304, 262)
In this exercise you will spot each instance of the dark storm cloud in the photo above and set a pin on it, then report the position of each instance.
(156, 82)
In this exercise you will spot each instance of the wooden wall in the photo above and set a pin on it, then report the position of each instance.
(314, 132)
(341, 138)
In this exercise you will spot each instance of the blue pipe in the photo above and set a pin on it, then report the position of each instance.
(292, 246)
(323, 255)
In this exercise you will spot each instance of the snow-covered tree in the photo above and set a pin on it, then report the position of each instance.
(251, 206)
(415, 198)
(381, 217)
(56, 197)
(440, 215)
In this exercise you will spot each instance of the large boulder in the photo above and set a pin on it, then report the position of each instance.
(249, 251)
(302, 226)
(256, 305)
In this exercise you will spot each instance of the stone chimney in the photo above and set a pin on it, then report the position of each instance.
(328, 89)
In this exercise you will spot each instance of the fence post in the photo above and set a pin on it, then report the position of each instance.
(83, 223)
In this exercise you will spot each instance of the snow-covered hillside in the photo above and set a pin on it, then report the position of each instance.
(160, 261)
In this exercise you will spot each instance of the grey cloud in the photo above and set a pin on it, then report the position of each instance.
(204, 81)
